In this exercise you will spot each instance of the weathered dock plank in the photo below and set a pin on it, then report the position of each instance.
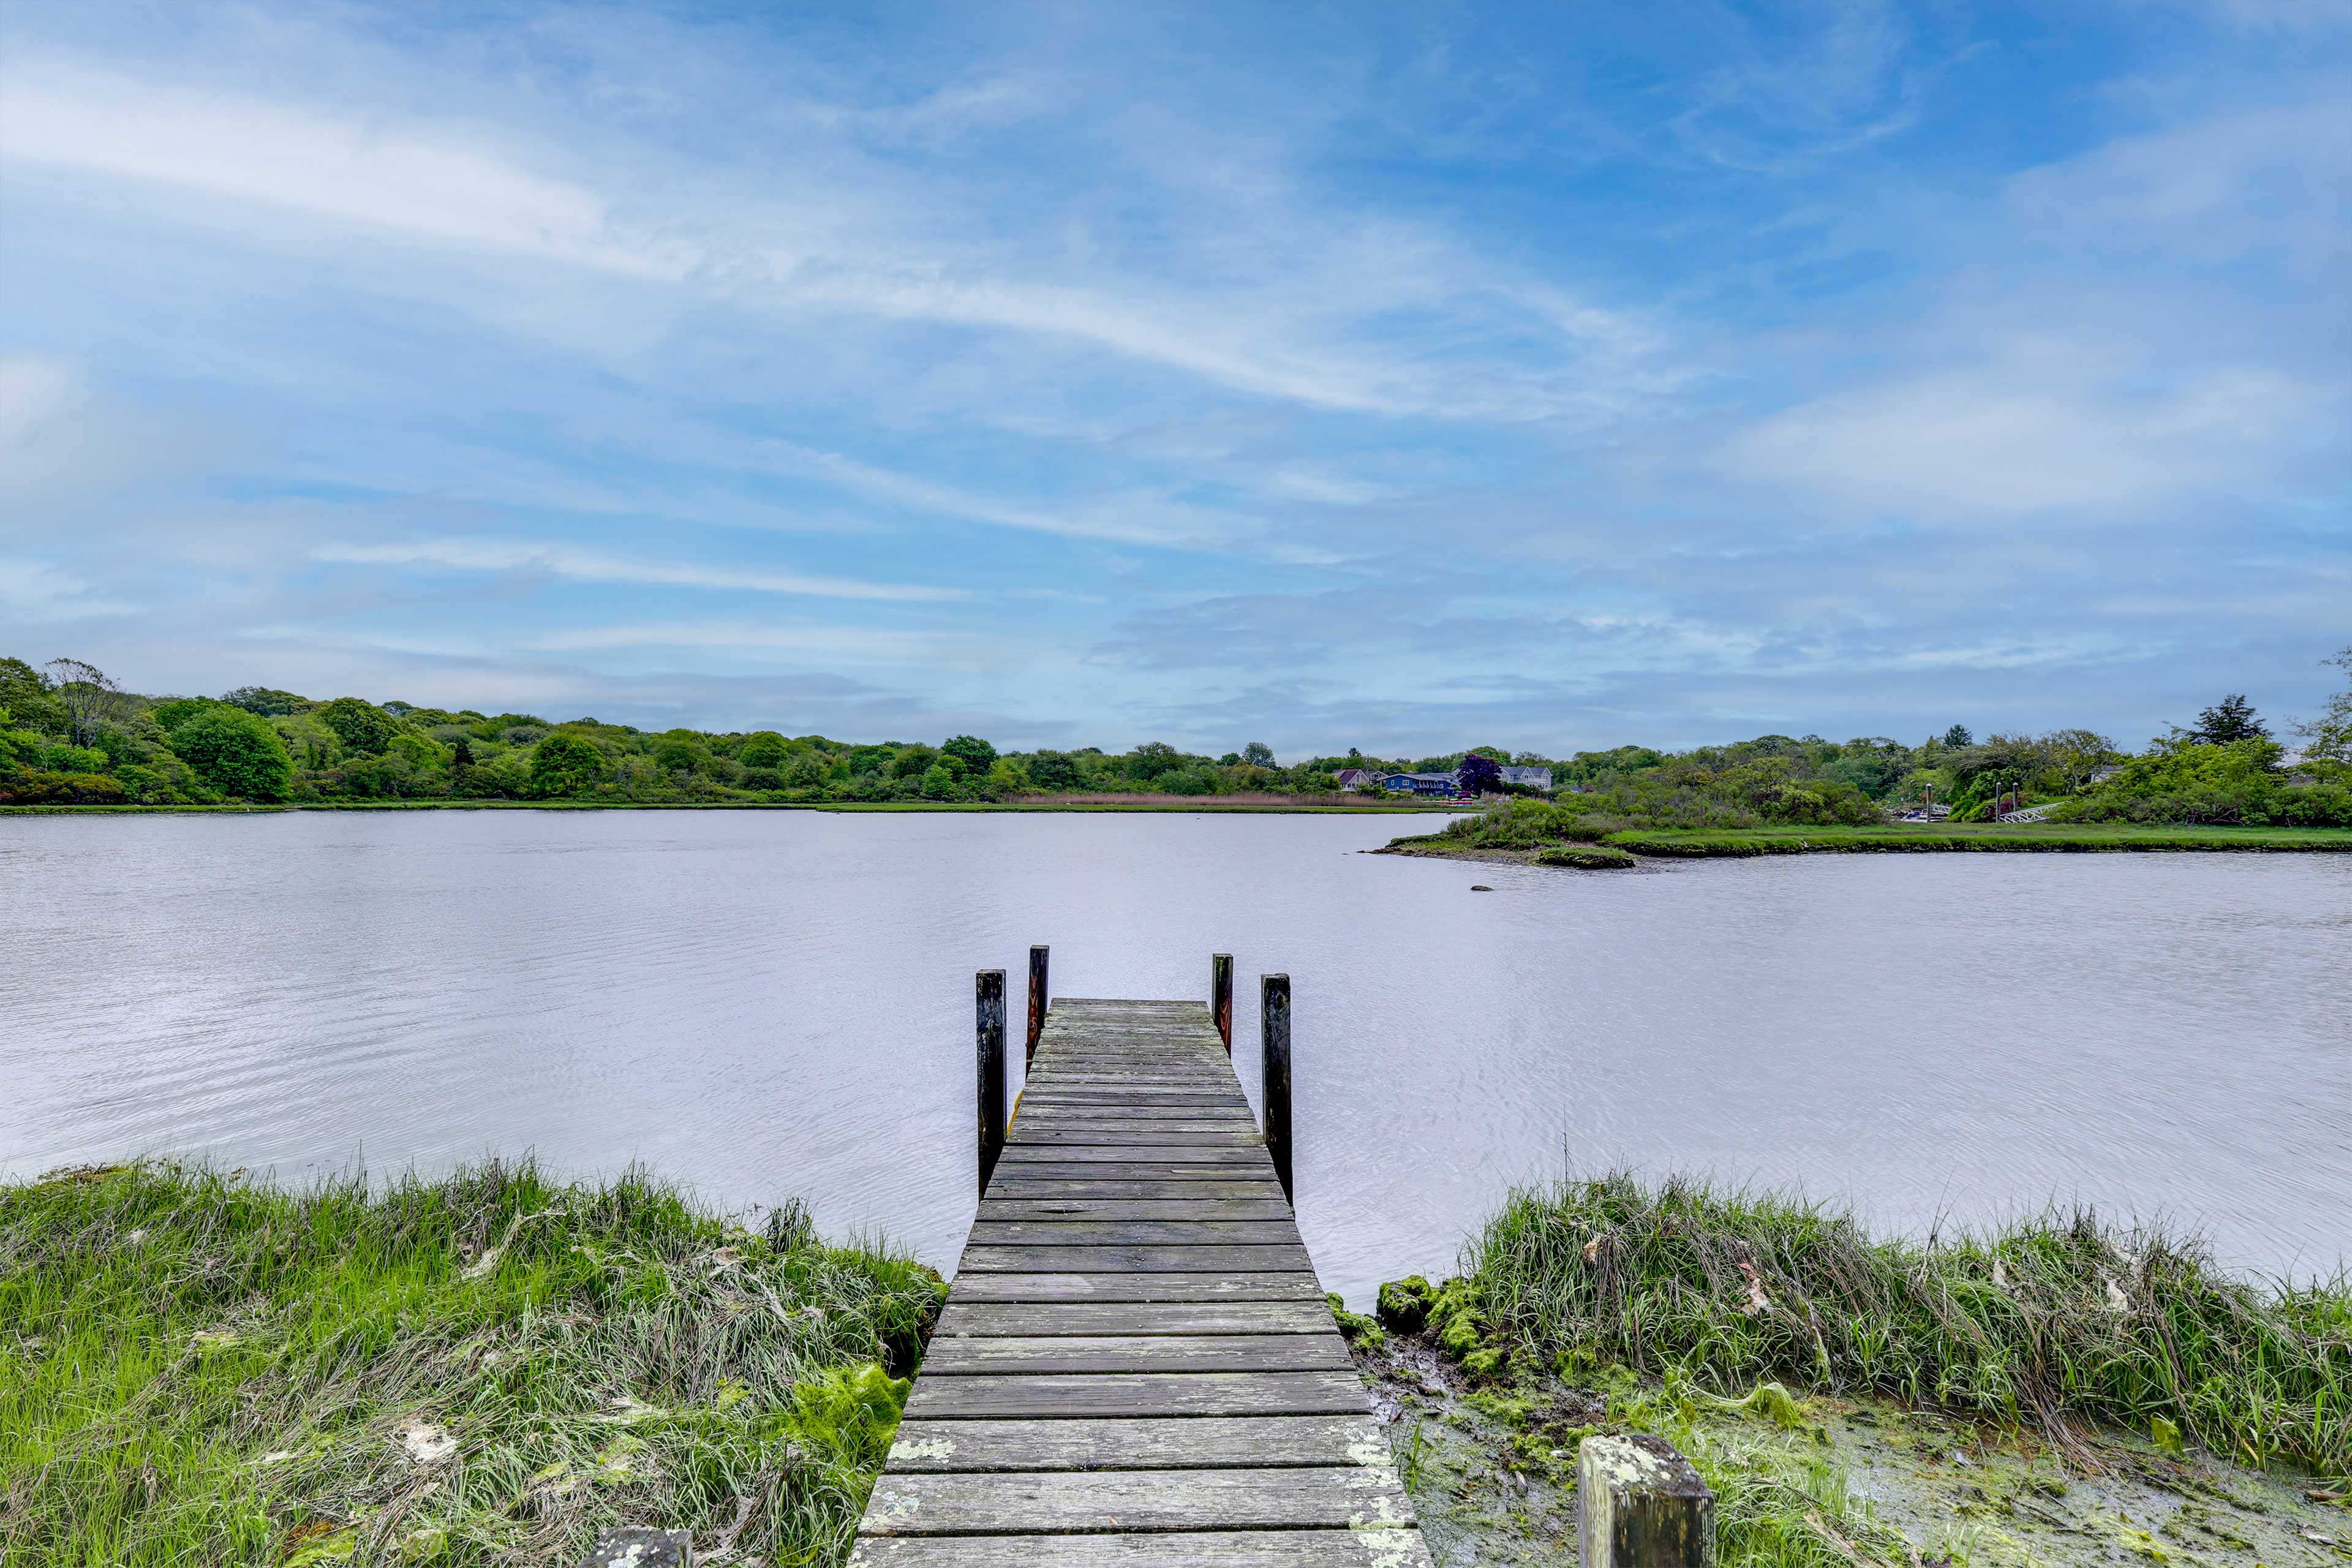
(1235, 1286)
(1253, 1549)
(1136, 1365)
(1054, 1502)
(1011, 1210)
(1048, 1353)
(1146, 1442)
(1083, 1318)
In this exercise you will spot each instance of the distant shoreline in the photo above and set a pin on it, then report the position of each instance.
(1142, 804)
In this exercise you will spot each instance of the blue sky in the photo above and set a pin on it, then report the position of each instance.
(1553, 378)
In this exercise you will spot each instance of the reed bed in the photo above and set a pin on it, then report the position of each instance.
(488, 1368)
(2052, 1321)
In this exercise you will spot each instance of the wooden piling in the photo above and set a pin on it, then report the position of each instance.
(1639, 1504)
(1275, 1034)
(1036, 1002)
(988, 1009)
(1221, 997)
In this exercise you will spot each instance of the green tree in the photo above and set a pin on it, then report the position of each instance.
(1959, 735)
(676, 756)
(1258, 755)
(564, 764)
(360, 725)
(764, 750)
(265, 701)
(2230, 721)
(1055, 771)
(2328, 738)
(91, 698)
(24, 693)
(978, 755)
(2076, 754)
(234, 751)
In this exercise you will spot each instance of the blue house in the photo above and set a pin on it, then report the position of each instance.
(1423, 784)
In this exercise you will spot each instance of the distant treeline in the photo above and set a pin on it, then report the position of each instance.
(69, 735)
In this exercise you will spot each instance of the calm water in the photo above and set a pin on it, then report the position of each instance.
(780, 1003)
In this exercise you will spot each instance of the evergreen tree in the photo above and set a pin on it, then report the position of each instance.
(2232, 718)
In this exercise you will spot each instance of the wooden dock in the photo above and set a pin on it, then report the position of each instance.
(1136, 1366)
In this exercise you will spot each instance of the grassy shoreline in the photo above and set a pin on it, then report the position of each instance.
(487, 1368)
(2050, 1390)
(2026, 837)
(490, 1367)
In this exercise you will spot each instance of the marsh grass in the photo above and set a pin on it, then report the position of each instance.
(488, 1368)
(1533, 825)
(2060, 837)
(2052, 1322)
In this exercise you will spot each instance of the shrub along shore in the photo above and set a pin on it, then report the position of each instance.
(493, 1366)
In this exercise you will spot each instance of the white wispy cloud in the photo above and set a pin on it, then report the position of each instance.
(598, 567)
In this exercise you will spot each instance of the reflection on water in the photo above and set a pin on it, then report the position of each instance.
(780, 1003)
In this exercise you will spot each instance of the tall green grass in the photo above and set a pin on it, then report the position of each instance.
(487, 1369)
(2049, 1322)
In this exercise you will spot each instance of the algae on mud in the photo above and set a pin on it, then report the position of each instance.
(1826, 1480)
(487, 1368)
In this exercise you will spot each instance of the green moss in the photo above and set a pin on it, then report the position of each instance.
(1355, 1327)
(849, 1412)
(1491, 1362)
(1403, 1304)
(1460, 1336)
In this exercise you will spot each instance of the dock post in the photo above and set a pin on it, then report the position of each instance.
(1036, 1002)
(988, 1009)
(1274, 1036)
(1639, 1504)
(1221, 997)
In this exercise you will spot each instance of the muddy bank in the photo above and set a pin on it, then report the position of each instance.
(1819, 1479)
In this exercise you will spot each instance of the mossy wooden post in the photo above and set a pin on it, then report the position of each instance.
(1274, 1023)
(1036, 1002)
(636, 1546)
(1639, 1504)
(988, 1007)
(1221, 997)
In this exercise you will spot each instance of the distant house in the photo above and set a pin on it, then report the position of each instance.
(1423, 784)
(1529, 778)
(1354, 781)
